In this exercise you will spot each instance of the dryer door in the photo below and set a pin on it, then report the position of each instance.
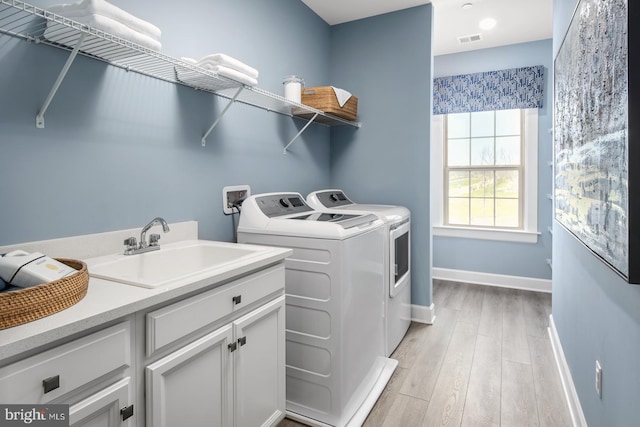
(400, 258)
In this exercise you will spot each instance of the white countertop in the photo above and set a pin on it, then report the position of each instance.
(106, 301)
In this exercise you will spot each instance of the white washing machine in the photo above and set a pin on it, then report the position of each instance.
(397, 285)
(336, 367)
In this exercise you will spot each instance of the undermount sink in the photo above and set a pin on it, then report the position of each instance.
(171, 263)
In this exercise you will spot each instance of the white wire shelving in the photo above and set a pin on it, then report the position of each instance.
(22, 20)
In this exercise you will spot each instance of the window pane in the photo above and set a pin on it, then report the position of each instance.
(482, 183)
(483, 169)
(482, 124)
(508, 122)
(482, 151)
(458, 184)
(507, 184)
(458, 125)
(482, 211)
(508, 150)
(507, 214)
(458, 211)
(458, 152)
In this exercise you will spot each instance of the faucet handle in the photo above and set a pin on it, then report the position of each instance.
(130, 245)
(153, 239)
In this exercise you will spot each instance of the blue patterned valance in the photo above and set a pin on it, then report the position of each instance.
(493, 90)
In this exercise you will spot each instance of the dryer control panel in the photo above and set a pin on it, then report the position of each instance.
(333, 198)
(274, 205)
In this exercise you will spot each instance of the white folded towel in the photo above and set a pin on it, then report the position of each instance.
(216, 59)
(195, 78)
(85, 8)
(342, 95)
(105, 24)
(232, 74)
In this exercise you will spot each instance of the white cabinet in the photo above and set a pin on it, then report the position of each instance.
(90, 373)
(192, 386)
(107, 408)
(260, 365)
(213, 358)
(168, 325)
(233, 376)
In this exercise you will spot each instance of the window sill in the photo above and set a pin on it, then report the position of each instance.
(518, 236)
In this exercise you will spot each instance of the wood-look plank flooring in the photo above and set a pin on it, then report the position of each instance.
(486, 361)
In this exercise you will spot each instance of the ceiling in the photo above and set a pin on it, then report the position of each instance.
(517, 21)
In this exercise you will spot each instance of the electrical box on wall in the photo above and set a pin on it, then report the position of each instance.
(232, 195)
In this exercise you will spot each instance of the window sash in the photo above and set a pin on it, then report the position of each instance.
(485, 168)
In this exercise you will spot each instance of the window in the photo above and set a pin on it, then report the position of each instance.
(485, 167)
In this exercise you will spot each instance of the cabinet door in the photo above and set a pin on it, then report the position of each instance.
(260, 366)
(194, 385)
(103, 408)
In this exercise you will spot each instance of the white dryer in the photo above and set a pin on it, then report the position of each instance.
(336, 367)
(397, 287)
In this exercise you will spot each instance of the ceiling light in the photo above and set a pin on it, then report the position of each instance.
(487, 24)
(467, 6)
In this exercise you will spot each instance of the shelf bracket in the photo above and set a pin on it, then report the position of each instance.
(58, 82)
(226, 108)
(300, 133)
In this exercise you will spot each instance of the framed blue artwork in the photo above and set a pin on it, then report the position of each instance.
(596, 124)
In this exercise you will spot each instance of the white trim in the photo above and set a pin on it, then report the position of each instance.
(489, 279)
(530, 232)
(437, 171)
(570, 393)
(518, 236)
(531, 169)
(423, 314)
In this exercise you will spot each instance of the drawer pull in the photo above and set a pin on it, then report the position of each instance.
(242, 341)
(126, 412)
(51, 383)
(237, 299)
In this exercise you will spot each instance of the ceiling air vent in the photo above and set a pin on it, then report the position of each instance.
(470, 38)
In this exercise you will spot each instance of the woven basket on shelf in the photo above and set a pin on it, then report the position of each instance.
(324, 98)
(29, 304)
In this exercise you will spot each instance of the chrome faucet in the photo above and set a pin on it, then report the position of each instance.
(132, 247)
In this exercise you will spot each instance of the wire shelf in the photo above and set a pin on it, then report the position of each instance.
(19, 19)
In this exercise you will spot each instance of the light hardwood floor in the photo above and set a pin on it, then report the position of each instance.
(486, 361)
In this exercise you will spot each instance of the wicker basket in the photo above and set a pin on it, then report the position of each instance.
(29, 304)
(324, 98)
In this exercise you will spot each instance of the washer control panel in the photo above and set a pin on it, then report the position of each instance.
(274, 205)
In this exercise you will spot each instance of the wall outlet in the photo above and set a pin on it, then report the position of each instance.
(231, 194)
(599, 379)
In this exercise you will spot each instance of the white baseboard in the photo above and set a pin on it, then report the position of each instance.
(500, 280)
(423, 314)
(577, 416)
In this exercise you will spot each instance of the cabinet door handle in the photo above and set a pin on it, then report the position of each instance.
(51, 383)
(126, 412)
(237, 299)
(242, 341)
(232, 347)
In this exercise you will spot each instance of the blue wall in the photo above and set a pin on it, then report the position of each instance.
(386, 62)
(514, 259)
(597, 314)
(120, 148)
